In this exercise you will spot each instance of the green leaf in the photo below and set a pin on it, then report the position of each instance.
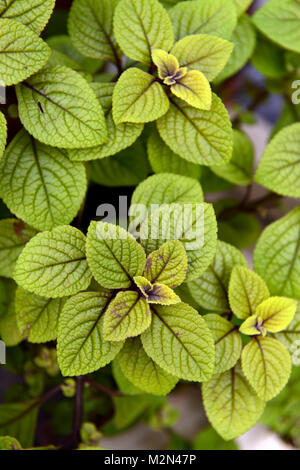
(142, 371)
(279, 168)
(138, 98)
(228, 342)
(208, 439)
(114, 256)
(203, 52)
(217, 18)
(81, 348)
(34, 13)
(193, 224)
(167, 265)
(276, 313)
(23, 53)
(19, 420)
(37, 317)
(194, 88)
(267, 365)
(9, 443)
(53, 264)
(14, 235)
(120, 136)
(127, 315)
(163, 160)
(149, 27)
(3, 134)
(9, 330)
(166, 189)
(252, 327)
(129, 409)
(127, 168)
(277, 255)
(242, 5)
(33, 175)
(244, 40)
(90, 27)
(203, 137)
(231, 405)
(168, 67)
(246, 291)
(186, 348)
(240, 167)
(210, 289)
(58, 107)
(278, 21)
(291, 335)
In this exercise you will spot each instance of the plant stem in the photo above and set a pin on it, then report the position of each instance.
(246, 206)
(78, 412)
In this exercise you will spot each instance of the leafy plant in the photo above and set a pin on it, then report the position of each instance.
(113, 314)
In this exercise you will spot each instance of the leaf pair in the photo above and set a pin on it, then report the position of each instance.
(265, 361)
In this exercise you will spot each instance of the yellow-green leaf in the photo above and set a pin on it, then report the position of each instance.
(140, 26)
(142, 371)
(231, 405)
(127, 315)
(267, 365)
(253, 327)
(203, 52)
(276, 313)
(167, 64)
(246, 291)
(138, 98)
(167, 265)
(194, 88)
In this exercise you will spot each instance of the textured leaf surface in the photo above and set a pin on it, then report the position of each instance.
(267, 365)
(114, 256)
(210, 289)
(203, 52)
(166, 189)
(22, 52)
(193, 224)
(167, 65)
(58, 107)
(142, 371)
(127, 315)
(291, 335)
(81, 348)
(203, 137)
(162, 295)
(217, 18)
(167, 265)
(252, 327)
(37, 317)
(14, 235)
(279, 168)
(91, 28)
(231, 405)
(276, 313)
(240, 167)
(53, 264)
(164, 160)
(120, 136)
(244, 40)
(3, 133)
(34, 13)
(194, 88)
(140, 26)
(246, 291)
(228, 342)
(180, 342)
(138, 98)
(124, 385)
(39, 184)
(279, 21)
(277, 255)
